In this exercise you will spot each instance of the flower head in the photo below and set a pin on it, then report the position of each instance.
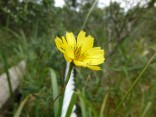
(81, 51)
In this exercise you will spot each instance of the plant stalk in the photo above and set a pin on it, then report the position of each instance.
(88, 14)
(66, 82)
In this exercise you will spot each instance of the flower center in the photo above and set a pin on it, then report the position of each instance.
(78, 54)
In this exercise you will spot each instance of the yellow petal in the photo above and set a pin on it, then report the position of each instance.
(69, 52)
(70, 39)
(88, 44)
(64, 40)
(95, 56)
(94, 67)
(84, 42)
(95, 53)
(80, 52)
(79, 63)
(93, 61)
(67, 58)
(80, 38)
(59, 44)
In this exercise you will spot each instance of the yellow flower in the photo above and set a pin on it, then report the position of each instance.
(81, 51)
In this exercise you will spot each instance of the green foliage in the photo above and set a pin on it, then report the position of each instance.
(28, 30)
(21, 15)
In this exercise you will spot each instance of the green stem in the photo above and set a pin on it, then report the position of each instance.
(134, 83)
(68, 74)
(89, 14)
(7, 73)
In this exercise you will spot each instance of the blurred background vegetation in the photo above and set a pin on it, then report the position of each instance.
(128, 36)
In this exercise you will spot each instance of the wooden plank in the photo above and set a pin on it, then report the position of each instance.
(16, 74)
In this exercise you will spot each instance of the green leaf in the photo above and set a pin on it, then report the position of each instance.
(87, 103)
(144, 114)
(72, 102)
(19, 110)
(103, 105)
(83, 108)
(54, 90)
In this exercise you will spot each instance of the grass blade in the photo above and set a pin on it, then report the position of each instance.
(91, 9)
(72, 102)
(54, 90)
(149, 104)
(7, 73)
(134, 83)
(83, 108)
(19, 110)
(103, 105)
(87, 103)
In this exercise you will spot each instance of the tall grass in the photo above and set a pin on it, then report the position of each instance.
(126, 86)
(99, 93)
